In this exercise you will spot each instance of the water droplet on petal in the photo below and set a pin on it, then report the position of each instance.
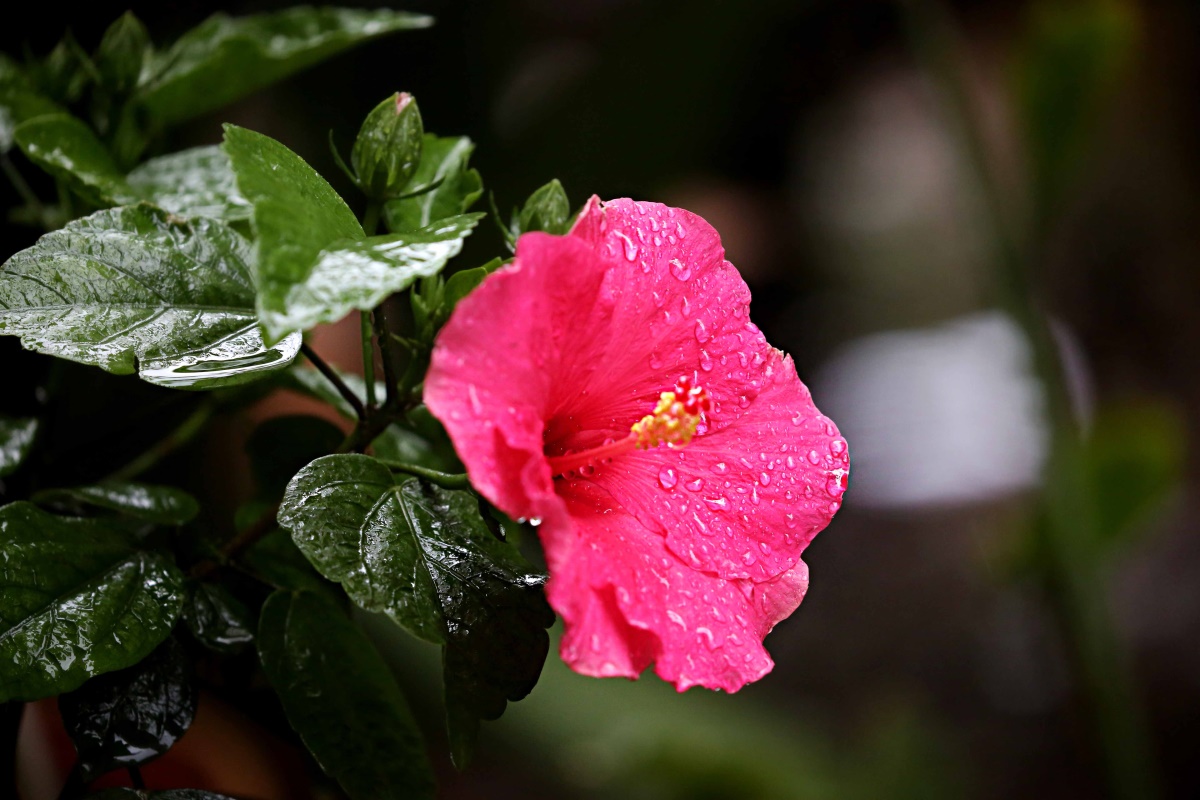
(720, 468)
(716, 503)
(695, 485)
(702, 334)
(680, 270)
(814, 457)
(764, 479)
(667, 478)
(837, 447)
(706, 363)
(631, 250)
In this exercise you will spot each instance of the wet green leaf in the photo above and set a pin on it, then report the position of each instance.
(16, 440)
(297, 214)
(547, 209)
(67, 148)
(164, 505)
(131, 716)
(443, 159)
(137, 289)
(225, 58)
(361, 274)
(191, 183)
(388, 147)
(19, 101)
(341, 698)
(424, 556)
(77, 599)
(216, 618)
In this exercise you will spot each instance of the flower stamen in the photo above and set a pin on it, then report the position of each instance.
(674, 422)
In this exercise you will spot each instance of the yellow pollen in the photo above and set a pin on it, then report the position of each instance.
(671, 423)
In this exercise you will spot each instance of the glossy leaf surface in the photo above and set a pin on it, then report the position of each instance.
(19, 101)
(67, 148)
(137, 289)
(297, 214)
(77, 599)
(191, 183)
(164, 505)
(361, 274)
(225, 58)
(443, 162)
(217, 619)
(547, 209)
(424, 556)
(129, 717)
(361, 731)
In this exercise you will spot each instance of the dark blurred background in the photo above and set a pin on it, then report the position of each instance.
(928, 659)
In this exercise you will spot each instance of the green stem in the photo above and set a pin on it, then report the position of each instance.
(1077, 578)
(177, 438)
(447, 480)
(368, 355)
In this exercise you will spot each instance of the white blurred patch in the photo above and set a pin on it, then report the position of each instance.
(948, 414)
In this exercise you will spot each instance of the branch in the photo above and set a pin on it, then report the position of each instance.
(345, 391)
(447, 480)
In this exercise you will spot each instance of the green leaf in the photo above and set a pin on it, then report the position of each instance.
(191, 183)
(65, 72)
(341, 698)
(163, 505)
(547, 209)
(19, 101)
(388, 147)
(16, 440)
(297, 214)
(217, 619)
(129, 717)
(67, 148)
(122, 53)
(138, 289)
(424, 556)
(77, 599)
(225, 58)
(443, 159)
(360, 274)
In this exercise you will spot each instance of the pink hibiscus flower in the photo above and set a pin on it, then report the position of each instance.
(610, 384)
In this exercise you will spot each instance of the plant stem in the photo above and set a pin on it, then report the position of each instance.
(447, 480)
(177, 438)
(345, 391)
(1077, 578)
(368, 356)
(241, 542)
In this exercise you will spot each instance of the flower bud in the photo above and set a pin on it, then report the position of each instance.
(388, 148)
(122, 53)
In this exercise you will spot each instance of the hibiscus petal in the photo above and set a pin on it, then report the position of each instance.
(697, 628)
(747, 496)
(743, 500)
